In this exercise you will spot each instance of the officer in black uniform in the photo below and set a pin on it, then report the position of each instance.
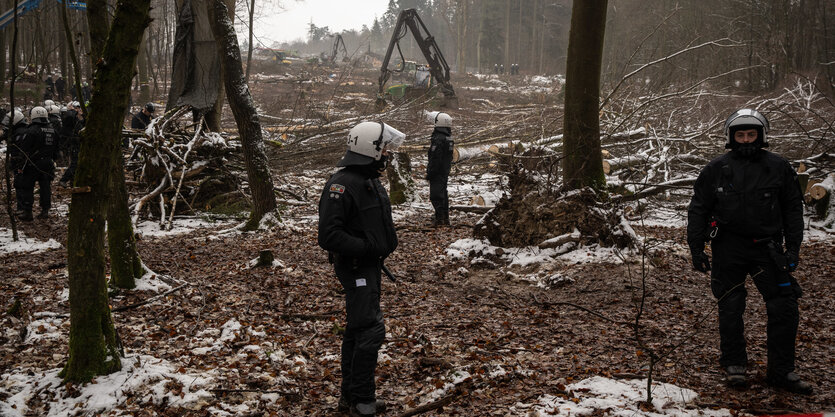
(71, 125)
(356, 228)
(142, 119)
(13, 125)
(748, 201)
(39, 145)
(438, 167)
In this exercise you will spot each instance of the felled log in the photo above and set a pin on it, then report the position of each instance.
(821, 195)
(460, 154)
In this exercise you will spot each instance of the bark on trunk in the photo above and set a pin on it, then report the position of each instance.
(125, 265)
(583, 164)
(246, 116)
(94, 346)
(399, 172)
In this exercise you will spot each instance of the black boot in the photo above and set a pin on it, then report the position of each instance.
(735, 376)
(791, 382)
(26, 216)
(44, 214)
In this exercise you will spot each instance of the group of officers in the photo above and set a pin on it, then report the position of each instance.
(50, 136)
(746, 203)
(35, 145)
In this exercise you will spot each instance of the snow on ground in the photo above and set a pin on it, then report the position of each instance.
(480, 249)
(23, 244)
(180, 226)
(618, 398)
(143, 379)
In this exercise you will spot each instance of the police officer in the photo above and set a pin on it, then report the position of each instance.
(71, 125)
(12, 131)
(438, 167)
(356, 228)
(748, 201)
(142, 119)
(60, 87)
(39, 145)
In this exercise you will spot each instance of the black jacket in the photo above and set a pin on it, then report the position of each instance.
(754, 197)
(140, 121)
(70, 126)
(40, 142)
(440, 154)
(355, 217)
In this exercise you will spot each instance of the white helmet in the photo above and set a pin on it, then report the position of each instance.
(47, 103)
(38, 112)
(368, 140)
(18, 117)
(443, 120)
(746, 119)
(53, 109)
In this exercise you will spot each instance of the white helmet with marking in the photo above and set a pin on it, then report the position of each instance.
(368, 140)
(38, 112)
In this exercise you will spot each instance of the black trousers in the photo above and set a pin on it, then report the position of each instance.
(734, 259)
(439, 197)
(69, 173)
(41, 172)
(364, 332)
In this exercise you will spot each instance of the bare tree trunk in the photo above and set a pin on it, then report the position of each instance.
(507, 35)
(94, 346)
(583, 164)
(13, 73)
(246, 116)
(144, 88)
(251, 47)
(125, 265)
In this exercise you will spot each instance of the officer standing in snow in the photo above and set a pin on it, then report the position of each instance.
(438, 167)
(356, 228)
(748, 202)
(39, 145)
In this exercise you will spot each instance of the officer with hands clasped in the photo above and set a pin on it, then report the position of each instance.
(357, 230)
(438, 167)
(748, 202)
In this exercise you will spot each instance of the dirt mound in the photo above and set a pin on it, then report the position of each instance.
(534, 213)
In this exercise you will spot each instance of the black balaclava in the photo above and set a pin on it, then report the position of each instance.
(746, 150)
(372, 170)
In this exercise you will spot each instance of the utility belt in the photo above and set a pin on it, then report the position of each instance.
(352, 262)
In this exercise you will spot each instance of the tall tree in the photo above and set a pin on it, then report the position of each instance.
(246, 115)
(125, 265)
(583, 164)
(94, 346)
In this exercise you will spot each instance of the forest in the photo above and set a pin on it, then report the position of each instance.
(178, 268)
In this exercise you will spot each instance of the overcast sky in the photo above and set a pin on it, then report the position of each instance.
(292, 23)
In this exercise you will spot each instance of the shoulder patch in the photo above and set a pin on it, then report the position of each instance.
(337, 188)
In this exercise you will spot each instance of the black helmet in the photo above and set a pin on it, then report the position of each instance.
(746, 119)
(150, 107)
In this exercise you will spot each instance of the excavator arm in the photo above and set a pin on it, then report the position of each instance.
(337, 43)
(409, 21)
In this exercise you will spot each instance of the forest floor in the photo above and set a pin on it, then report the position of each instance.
(510, 331)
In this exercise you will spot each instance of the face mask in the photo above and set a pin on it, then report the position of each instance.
(747, 150)
(380, 165)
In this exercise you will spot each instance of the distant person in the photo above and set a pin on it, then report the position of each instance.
(501, 69)
(438, 167)
(357, 230)
(86, 92)
(748, 202)
(60, 88)
(142, 118)
(71, 125)
(495, 68)
(39, 145)
(49, 91)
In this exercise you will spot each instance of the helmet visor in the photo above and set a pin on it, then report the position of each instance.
(392, 138)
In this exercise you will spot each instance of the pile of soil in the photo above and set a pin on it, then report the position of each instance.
(533, 213)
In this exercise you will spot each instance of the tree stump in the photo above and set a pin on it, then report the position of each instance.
(401, 184)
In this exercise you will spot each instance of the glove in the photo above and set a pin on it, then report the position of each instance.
(792, 260)
(701, 262)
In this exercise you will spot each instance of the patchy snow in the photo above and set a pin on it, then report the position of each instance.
(46, 328)
(618, 398)
(179, 227)
(151, 282)
(143, 379)
(23, 244)
(567, 253)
